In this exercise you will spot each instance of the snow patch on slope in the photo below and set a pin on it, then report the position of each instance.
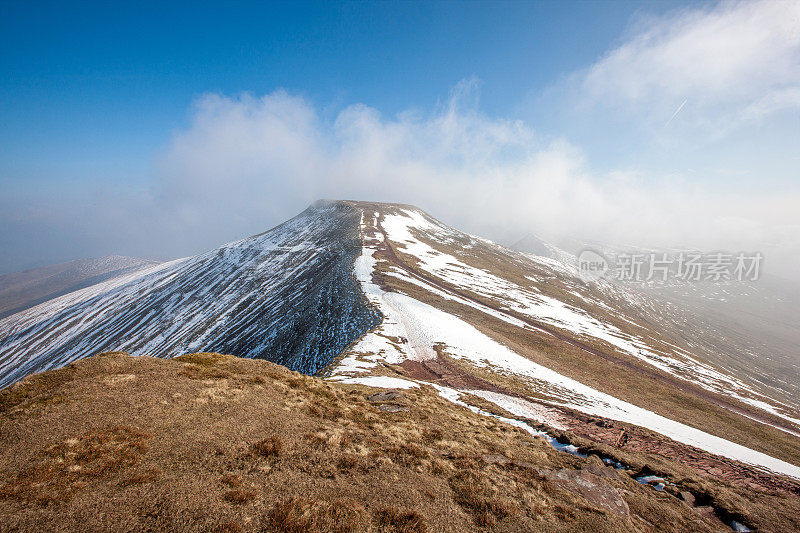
(423, 326)
(403, 229)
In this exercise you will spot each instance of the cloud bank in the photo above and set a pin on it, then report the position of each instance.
(245, 159)
(743, 53)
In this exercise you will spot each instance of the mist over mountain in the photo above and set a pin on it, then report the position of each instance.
(551, 284)
(21, 290)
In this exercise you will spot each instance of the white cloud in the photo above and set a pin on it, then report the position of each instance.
(245, 160)
(245, 163)
(722, 59)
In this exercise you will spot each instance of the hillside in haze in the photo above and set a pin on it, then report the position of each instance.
(21, 290)
(752, 327)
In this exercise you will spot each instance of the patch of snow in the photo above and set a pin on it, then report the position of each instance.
(383, 382)
(521, 407)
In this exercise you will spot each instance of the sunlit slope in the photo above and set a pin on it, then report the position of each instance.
(466, 312)
(208, 442)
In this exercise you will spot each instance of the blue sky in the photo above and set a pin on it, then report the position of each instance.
(112, 115)
(89, 88)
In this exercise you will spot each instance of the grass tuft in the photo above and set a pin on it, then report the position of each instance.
(271, 447)
(238, 496)
(300, 515)
(399, 520)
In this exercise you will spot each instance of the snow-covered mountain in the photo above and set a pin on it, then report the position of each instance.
(287, 295)
(386, 295)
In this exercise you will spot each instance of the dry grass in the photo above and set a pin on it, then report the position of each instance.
(263, 461)
(57, 472)
(300, 515)
(203, 359)
(399, 520)
(231, 480)
(475, 493)
(39, 388)
(148, 475)
(271, 447)
(238, 496)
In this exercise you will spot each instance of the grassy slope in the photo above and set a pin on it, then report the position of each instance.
(209, 442)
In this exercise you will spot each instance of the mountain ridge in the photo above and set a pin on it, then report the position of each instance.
(354, 289)
(262, 294)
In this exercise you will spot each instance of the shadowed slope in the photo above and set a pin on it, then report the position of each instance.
(287, 294)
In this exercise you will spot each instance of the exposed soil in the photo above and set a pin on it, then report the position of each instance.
(599, 430)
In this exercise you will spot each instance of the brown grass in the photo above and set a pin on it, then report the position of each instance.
(399, 520)
(231, 480)
(300, 515)
(271, 447)
(262, 462)
(149, 475)
(238, 496)
(60, 470)
(230, 527)
(38, 387)
(476, 494)
(203, 359)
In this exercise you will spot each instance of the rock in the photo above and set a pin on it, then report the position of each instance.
(592, 488)
(687, 497)
(598, 468)
(394, 396)
(392, 408)
(706, 511)
(495, 459)
(389, 401)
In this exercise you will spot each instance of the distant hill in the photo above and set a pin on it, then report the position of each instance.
(22, 290)
(751, 328)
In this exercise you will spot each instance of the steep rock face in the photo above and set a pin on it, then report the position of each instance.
(287, 295)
